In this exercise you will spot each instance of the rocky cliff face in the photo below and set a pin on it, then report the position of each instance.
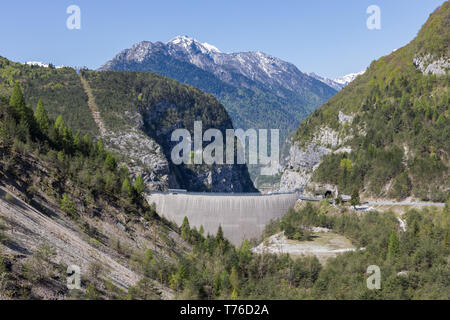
(303, 160)
(428, 64)
(142, 156)
(301, 165)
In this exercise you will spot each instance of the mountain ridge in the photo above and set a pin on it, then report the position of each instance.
(257, 90)
(387, 133)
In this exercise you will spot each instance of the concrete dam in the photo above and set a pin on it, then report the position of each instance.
(240, 215)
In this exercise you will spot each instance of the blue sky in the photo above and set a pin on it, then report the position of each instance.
(328, 37)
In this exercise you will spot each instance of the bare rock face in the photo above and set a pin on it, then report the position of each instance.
(144, 157)
(428, 64)
(301, 165)
(303, 161)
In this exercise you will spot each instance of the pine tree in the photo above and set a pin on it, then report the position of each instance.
(354, 201)
(219, 236)
(67, 205)
(139, 184)
(40, 114)
(185, 229)
(126, 188)
(110, 162)
(60, 126)
(77, 141)
(393, 247)
(100, 147)
(87, 144)
(17, 101)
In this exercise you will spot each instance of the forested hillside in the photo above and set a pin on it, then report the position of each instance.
(59, 89)
(388, 132)
(64, 200)
(139, 112)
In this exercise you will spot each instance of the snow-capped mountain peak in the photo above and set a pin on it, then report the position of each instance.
(41, 64)
(256, 66)
(348, 78)
(337, 83)
(186, 42)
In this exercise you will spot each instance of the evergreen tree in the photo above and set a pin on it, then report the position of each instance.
(139, 184)
(60, 126)
(77, 141)
(354, 200)
(40, 114)
(25, 114)
(185, 229)
(393, 247)
(126, 188)
(17, 101)
(100, 147)
(110, 162)
(66, 204)
(234, 280)
(219, 236)
(87, 144)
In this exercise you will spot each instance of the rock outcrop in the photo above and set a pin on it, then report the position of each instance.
(428, 64)
(302, 161)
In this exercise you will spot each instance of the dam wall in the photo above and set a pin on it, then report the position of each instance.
(241, 216)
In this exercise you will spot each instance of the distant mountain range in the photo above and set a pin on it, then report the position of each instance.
(258, 90)
(337, 83)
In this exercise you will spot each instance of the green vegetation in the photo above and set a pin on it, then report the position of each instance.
(59, 89)
(163, 104)
(414, 263)
(435, 36)
(213, 268)
(122, 98)
(43, 157)
(400, 135)
(80, 159)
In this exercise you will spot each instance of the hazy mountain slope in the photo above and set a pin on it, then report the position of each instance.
(391, 123)
(123, 113)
